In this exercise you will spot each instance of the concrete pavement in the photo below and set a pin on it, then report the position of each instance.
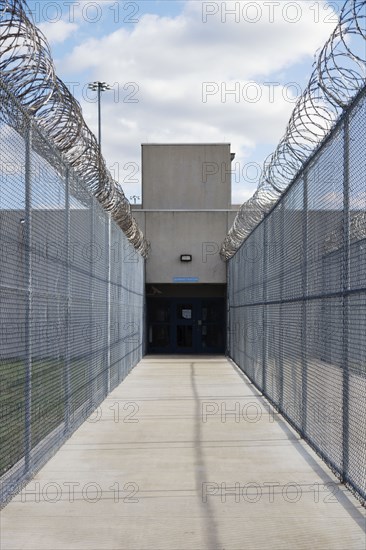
(184, 455)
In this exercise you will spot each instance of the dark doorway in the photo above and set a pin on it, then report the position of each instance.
(186, 325)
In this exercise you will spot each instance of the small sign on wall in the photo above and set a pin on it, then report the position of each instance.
(186, 280)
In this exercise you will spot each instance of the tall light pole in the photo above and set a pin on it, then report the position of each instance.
(99, 87)
(103, 87)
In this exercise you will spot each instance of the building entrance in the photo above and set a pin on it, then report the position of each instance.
(186, 325)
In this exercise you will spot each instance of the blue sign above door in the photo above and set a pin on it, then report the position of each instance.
(186, 280)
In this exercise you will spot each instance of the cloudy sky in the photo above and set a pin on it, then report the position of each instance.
(187, 72)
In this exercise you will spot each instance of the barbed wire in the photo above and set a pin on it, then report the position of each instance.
(28, 72)
(339, 74)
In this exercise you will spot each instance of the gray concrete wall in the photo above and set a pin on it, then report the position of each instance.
(186, 176)
(176, 233)
(186, 209)
(50, 269)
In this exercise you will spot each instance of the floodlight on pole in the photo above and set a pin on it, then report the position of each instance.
(103, 87)
(99, 87)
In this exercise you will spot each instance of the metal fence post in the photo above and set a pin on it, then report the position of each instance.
(264, 313)
(228, 300)
(90, 365)
(28, 307)
(108, 298)
(345, 301)
(304, 267)
(281, 323)
(68, 301)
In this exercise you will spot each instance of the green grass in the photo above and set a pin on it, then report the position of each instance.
(47, 402)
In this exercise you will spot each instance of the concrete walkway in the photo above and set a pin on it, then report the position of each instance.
(162, 465)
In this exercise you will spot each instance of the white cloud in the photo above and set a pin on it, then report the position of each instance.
(58, 32)
(168, 60)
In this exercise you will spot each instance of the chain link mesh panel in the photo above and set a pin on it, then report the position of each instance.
(71, 289)
(297, 322)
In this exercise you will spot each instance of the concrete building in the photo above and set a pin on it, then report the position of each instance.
(185, 213)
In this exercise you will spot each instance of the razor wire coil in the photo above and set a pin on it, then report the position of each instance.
(339, 74)
(27, 70)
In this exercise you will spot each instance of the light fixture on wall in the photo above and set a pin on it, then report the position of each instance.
(186, 258)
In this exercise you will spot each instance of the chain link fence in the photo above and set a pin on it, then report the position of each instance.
(338, 76)
(297, 301)
(71, 285)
